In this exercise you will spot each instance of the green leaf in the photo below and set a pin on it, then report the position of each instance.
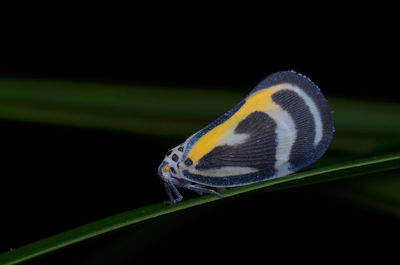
(378, 193)
(113, 223)
(137, 108)
(363, 129)
(113, 106)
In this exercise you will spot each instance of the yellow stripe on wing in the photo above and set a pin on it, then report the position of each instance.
(224, 133)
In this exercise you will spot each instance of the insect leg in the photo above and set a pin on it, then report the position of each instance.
(175, 190)
(169, 193)
(170, 188)
(200, 190)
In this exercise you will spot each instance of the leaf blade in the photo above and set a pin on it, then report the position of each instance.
(112, 223)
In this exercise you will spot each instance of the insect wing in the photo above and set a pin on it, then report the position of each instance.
(284, 124)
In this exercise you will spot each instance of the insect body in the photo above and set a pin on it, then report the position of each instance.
(282, 126)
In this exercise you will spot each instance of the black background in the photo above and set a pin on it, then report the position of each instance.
(55, 178)
(349, 51)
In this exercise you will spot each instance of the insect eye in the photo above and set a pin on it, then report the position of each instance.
(165, 169)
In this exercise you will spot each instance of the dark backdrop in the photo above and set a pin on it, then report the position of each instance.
(346, 60)
(72, 176)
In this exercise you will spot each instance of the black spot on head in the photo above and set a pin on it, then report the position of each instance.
(188, 162)
(169, 152)
(180, 149)
(175, 157)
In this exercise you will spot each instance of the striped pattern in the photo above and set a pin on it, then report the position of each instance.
(282, 126)
(255, 152)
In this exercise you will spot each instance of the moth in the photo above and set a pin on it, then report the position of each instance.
(282, 126)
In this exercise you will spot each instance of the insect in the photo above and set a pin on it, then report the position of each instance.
(282, 126)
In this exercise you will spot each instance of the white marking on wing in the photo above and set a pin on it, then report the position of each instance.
(232, 138)
(226, 171)
(313, 109)
(286, 136)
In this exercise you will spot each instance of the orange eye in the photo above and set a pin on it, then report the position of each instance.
(165, 169)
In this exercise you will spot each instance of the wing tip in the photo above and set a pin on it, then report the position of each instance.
(286, 76)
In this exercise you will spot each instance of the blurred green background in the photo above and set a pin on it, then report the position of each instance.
(85, 123)
(80, 151)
